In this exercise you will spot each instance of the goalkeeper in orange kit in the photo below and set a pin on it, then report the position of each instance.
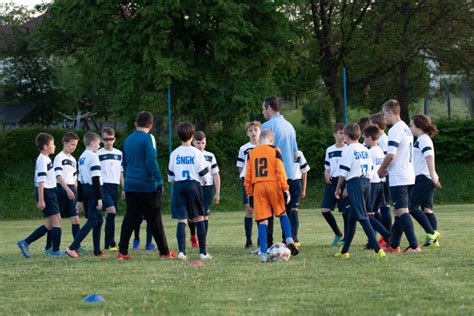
(266, 185)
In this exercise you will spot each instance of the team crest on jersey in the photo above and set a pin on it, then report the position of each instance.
(82, 160)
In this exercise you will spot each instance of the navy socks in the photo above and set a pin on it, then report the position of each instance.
(110, 230)
(432, 218)
(36, 234)
(49, 241)
(192, 228)
(149, 235)
(397, 231)
(332, 222)
(350, 232)
(96, 236)
(201, 232)
(181, 237)
(422, 219)
(248, 229)
(369, 232)
(378, 227)
(295, 224)
(56, 238)
(386, 217)
(409, 230)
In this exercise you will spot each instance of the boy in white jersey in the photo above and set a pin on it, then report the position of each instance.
(426, 179)
(45, 193)
(66, 177)
(187, 169)
(379, 120)
(111, 176)
(253, 132)
(89, 196)
(332, 161)
(212, 178)
(355, 169)
(399, 163)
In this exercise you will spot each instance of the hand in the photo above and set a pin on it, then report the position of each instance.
(381, 173)
(99, 205)
(337, 193)
(436, 181)
(287, 197)
(41, 205)
(248, 208)
(217, 198)
(79, 206)
(70, 194)
(345, 193)
(303, 194)
(122, 195)
(327, 178)
(251, 201)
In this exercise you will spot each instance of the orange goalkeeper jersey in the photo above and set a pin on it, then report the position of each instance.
(264, 164)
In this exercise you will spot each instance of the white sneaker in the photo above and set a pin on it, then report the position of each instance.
(182, 256)
(263, 257)
(255, 252)
(205, 256)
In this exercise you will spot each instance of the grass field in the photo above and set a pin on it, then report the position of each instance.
(437, 281)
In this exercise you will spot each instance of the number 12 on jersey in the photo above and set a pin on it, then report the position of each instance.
(261, 167)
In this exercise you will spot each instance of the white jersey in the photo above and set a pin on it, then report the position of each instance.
(383, 142)
(400, 144)
(44, 172)
(242, 158)
(356, 162)
(423, 148)
(377, 156)
(187, 163)
(212, 167)
(110, 165)
(89, 166)
(301, 166)
(65, 166)
(333, 158)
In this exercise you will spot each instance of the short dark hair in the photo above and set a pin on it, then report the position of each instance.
(392, 105)
(273, 102)
(185, 131)
(43, 139)
(372, 131)
(363, 122)
(70, 136)
(144, 119)
(379, 120)
(199, 135)
(89, 137)
(337, 127)
(424, 123)
(109, 131)
(353, 131)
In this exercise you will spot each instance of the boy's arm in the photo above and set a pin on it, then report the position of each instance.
(41, 203)
(248, 177)
(431, 167)
(217, 182)
(393, 142)
(280, 172)
(340, 182)
(95, 170)
(66, 188)
(304, 179)
(122, 183)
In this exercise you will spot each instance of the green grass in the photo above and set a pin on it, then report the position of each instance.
(437, 281)
(438, 108)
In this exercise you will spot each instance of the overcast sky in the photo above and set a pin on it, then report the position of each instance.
(29, 3)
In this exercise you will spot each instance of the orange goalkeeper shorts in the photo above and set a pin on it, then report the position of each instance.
(267, 200)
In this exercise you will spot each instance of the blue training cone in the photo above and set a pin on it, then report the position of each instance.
(93, 298)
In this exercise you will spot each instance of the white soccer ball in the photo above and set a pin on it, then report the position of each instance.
(279, 252)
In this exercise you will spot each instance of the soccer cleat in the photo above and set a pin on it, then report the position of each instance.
(412, 250)
(342, 255)
(389, 249)
(182, 256)
(294, 250)
(194, 241)
(101, 255)
(263, 257)
(57, 254)
(47, 252)
(431, 238)
(136, 244)
(114, 248)
(298, 244)
(336, 240)
(170, 255)
(150, 247)
(255, 252)
(205, 256)
(82, 251)
(367, 247)
(382, 243)
(121, 256)
(435, 244)
(380, 254)
(23, 245)
(248, 245)
(72, 253)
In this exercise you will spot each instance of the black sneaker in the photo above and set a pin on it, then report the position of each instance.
(248, 245)
(294, 250)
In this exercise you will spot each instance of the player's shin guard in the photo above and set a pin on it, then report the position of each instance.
(422, 219)
(351, 229)
(110, 230)
(386, 217)
(271, 221)
(370, 234)
(332, 223)
(49, 240)
(192, 228)
(432, 219)
(181, 237)
(201, 232)
(248, 229)
(286, 228)
(378, 227)
(56, 238)
(409, 230)
(296, 224)
(36, 234)
(206, 225)
(75, 230)
(262, 237)
(345, 217)
(96, 230)
(397, 232)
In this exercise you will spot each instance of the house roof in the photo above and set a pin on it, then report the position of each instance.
(14, 113)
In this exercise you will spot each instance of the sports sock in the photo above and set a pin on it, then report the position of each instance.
(262, 237)
(206, 225)
(201, 232)
(85, 229)
(432, 218)
(181, 236)
(345, 216)
(49, 241)
(370, 234)
(378, 227)
(248, 229)
(351, 229)
(271, 221)
(397, 231)
(192, 228)
(377, 216)
(149, 235)
(96, 230)
(36, 234)
(409, 230)
(110, 230)
(332, 222)
(296, 225)
(386, 217)
(56, 237)
(136, 230)
(286, 228)
(422, 219)
(75, 230)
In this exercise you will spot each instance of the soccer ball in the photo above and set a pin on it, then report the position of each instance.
(279, 252)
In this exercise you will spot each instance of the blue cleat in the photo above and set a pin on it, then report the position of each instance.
(82, 251)
(47, 252)
(150, 247)
(336, 240)
(58, 254)
(136, 244)
(23, 245)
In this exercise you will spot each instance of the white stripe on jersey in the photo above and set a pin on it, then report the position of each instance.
(400, 144)
(212, 167)
(110, 164)
(44, 172)
(89, 166)
(187, 163)
(423, 148)
(333, 159)
(65, 166)
(377, 156)
(356, 162)
(301, 166)
(242, 158)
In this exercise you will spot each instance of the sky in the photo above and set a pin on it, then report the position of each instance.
(28, 3)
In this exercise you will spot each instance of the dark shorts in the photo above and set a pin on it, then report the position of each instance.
(90, 202)
(67, 207)
(50, 200)
(109, 195)
(207, 193)
(422, 193)
(376, 197)
(358, 190)
(400, 196)
(245, 198)
(295, 193)
(330, 201)
(188, 200)
(386, 192)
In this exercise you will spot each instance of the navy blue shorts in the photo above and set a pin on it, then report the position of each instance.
(330, 201)
(110, 195)
(50, 200)
(245, 198)
(90, 202)
(67, 207)
(386, 193)
(295, 193)
(358, 190)
(207, 193)
(422, 193)
(376, 197)
(400, 196)
(188, 200)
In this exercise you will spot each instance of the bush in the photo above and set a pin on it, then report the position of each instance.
(454, 143)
